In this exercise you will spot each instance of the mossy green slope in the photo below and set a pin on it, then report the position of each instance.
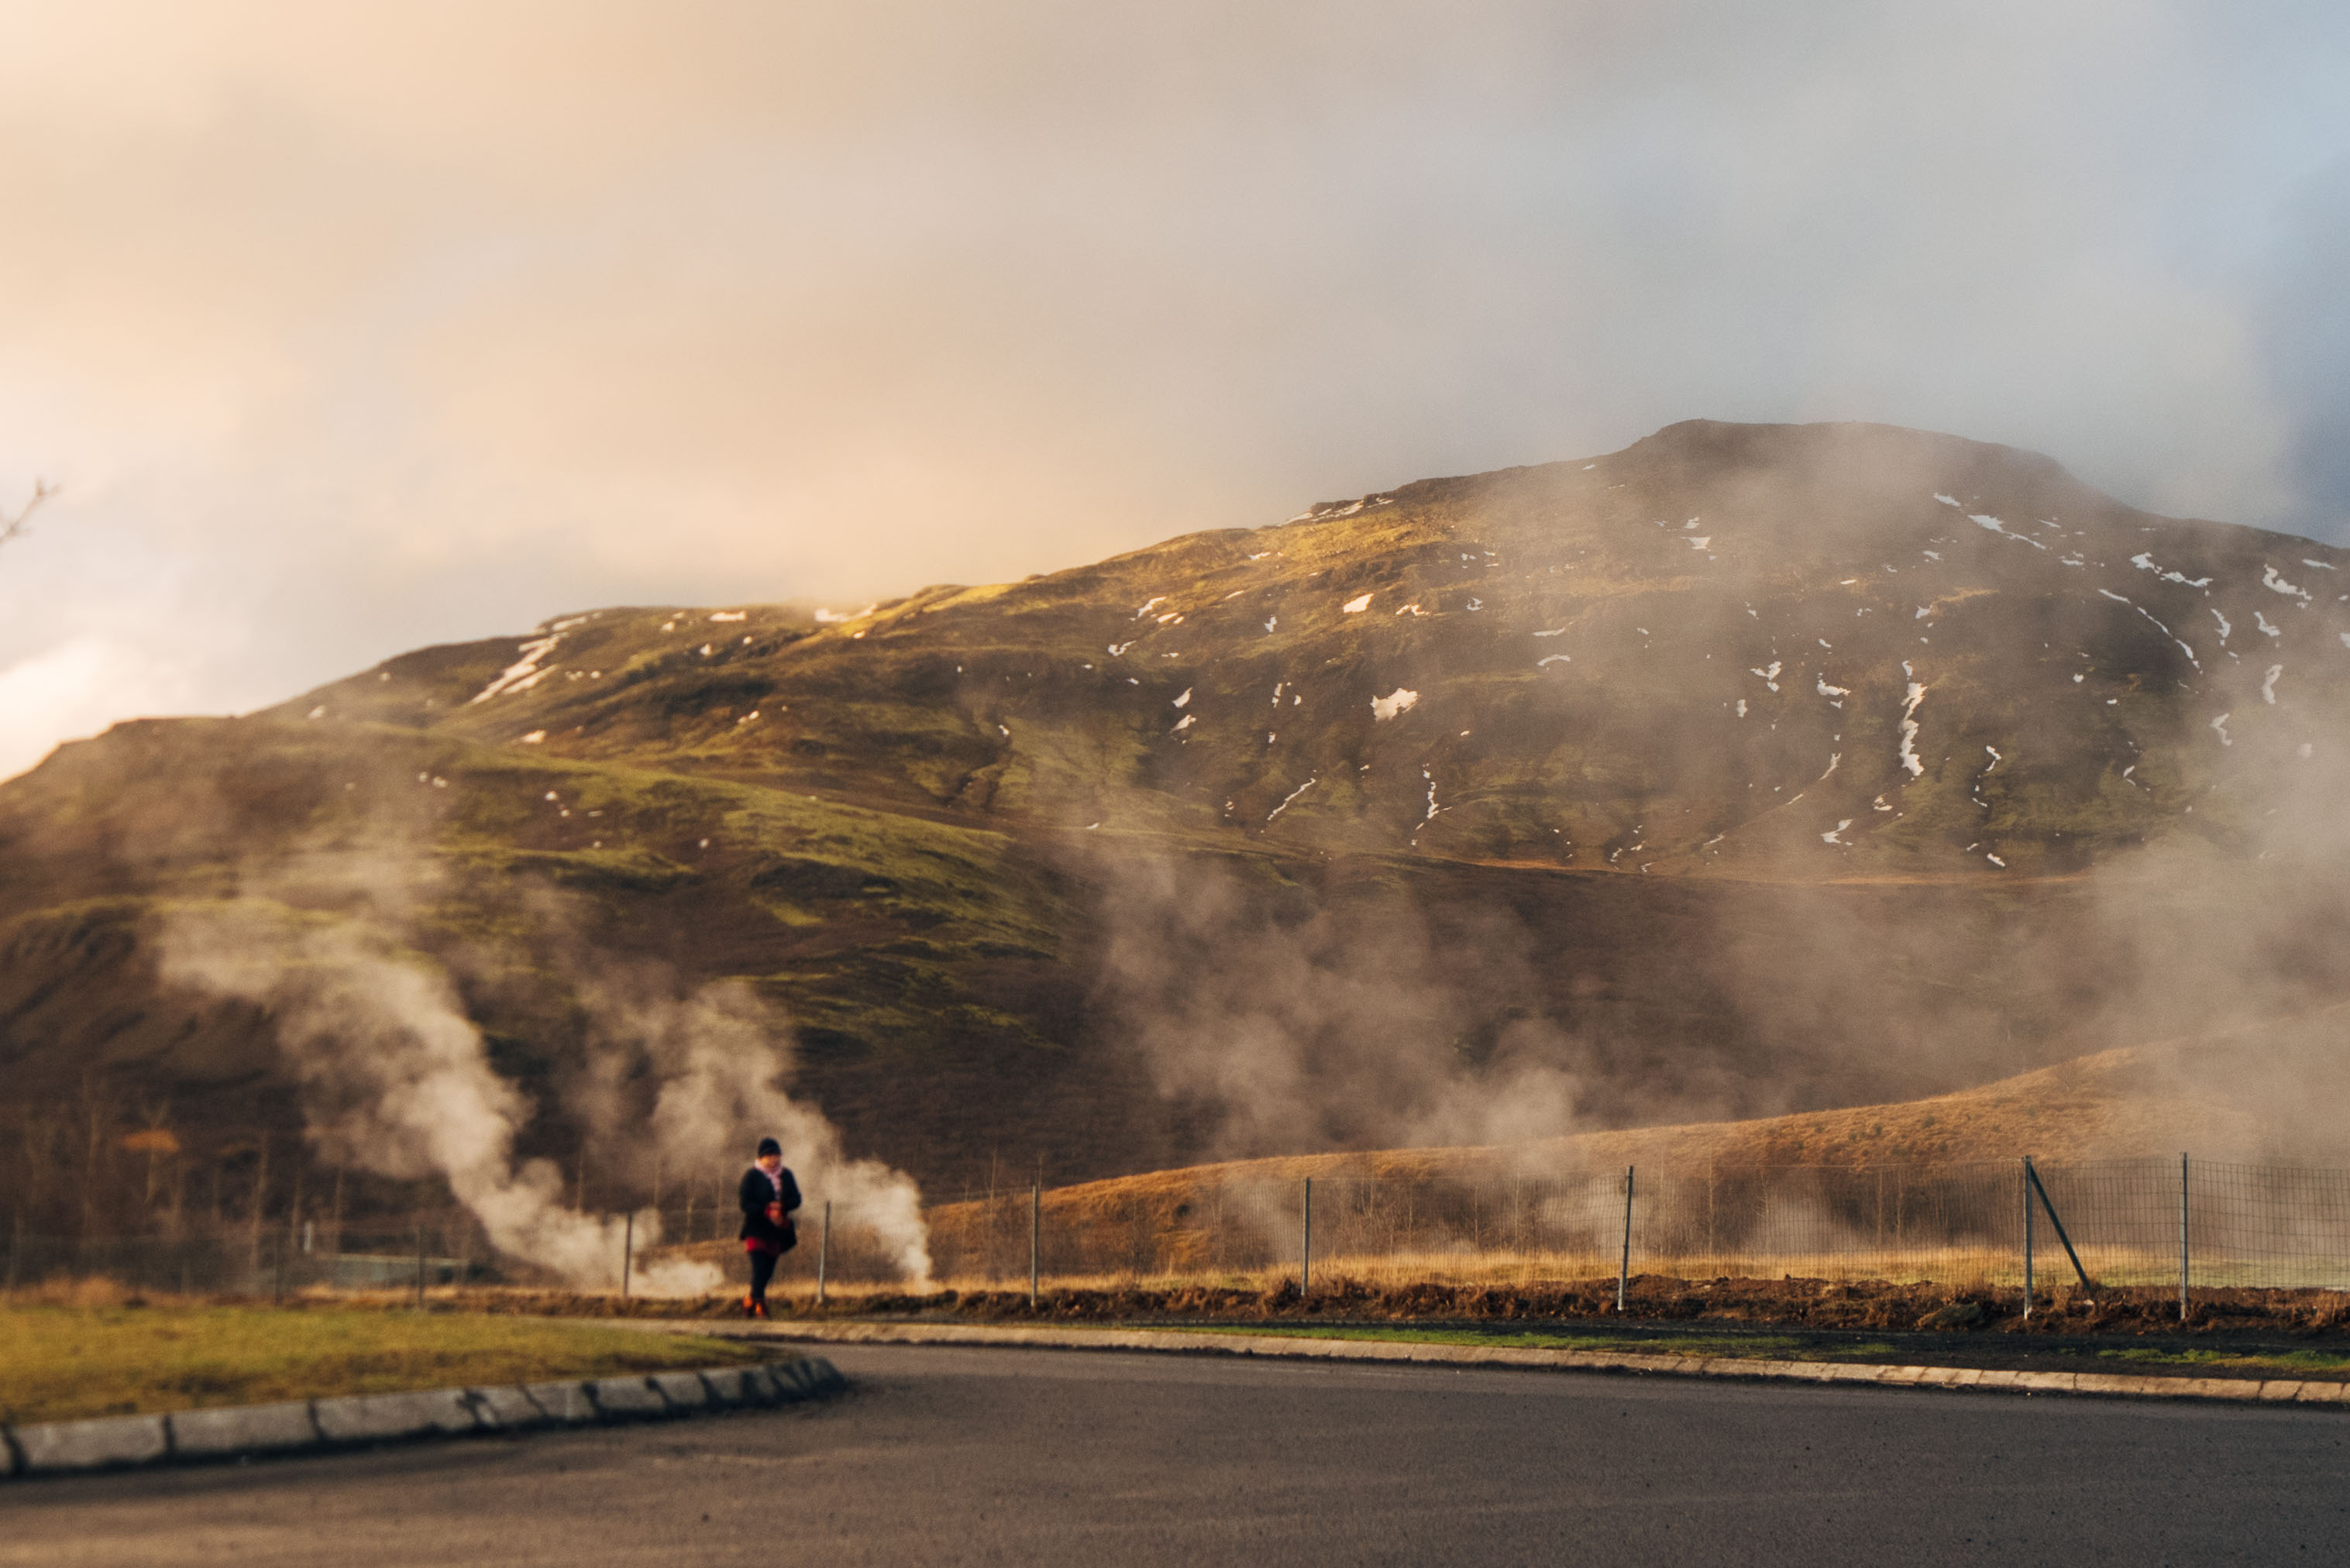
(1697, 654)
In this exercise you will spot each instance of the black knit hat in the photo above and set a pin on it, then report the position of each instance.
(768, 1146)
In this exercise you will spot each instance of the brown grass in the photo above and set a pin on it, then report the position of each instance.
(2122, 1102)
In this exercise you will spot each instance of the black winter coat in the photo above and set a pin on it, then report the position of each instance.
(758, 1193)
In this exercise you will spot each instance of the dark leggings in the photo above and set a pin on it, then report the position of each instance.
(762, 1269)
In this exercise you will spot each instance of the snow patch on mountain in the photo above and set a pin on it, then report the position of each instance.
(524, 672)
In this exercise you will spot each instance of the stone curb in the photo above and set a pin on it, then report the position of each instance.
(2107, 1385)
(320, 1426)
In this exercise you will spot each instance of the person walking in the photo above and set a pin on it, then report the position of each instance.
(769, 1195)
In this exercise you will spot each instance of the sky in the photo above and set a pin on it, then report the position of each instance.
(345, 329)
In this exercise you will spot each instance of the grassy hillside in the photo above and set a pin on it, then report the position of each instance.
(1659, 654)
(1748, 771)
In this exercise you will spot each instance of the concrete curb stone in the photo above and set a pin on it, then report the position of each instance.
(739, 1386)
(112, 1442)
(564, 1404)
(96, 1445)
(244, 1430)
(2103, 1383)
(627, 1398)
(808, 1378)
(507, 1409)
(682, 1390)
(390, 1418)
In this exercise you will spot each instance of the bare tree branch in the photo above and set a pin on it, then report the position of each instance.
(10, 527)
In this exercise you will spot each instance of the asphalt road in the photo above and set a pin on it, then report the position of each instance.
(1021, 1456)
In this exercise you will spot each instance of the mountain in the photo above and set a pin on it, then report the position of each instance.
(1748, 770)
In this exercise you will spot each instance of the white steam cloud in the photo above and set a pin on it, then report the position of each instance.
(395, 1079)
(716, 1058)
(1328, 1032)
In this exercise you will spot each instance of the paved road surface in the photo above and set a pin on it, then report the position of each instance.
(1023, 1456)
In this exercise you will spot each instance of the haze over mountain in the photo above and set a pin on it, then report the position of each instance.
(350, 329)
(1660, 654)
(1750, 769)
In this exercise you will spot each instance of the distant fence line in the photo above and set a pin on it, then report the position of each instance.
(266, 1261)
(2159, 1222)
(2164, 1221)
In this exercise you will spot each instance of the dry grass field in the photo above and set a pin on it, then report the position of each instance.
(1231, 1219)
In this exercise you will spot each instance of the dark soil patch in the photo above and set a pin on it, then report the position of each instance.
(2227, 1333)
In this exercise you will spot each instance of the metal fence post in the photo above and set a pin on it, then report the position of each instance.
(822, 1250)
(1624, 1268)
(1305, 1259)
(2056, 1222)
(2026, 1185)
(1035, 1237)
(419, 1265)
(2183, 1258)
(628, 1250)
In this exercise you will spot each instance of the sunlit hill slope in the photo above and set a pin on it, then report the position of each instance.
(1749, 769)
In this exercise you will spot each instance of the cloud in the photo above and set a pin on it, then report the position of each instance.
(2304, 325)
(362, 330)
(77, 687)
(1275, 1026)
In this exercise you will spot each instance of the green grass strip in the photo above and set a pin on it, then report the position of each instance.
(2333, 1363)
(1750, 1347)
(65, 1363)
(2312, 1363)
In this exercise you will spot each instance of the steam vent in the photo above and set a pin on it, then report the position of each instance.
(1748, 770)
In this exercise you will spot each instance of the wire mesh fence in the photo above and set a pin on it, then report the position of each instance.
(2188, 1222)
(1907, 1222)
(271, 1261)
(2144, 1221)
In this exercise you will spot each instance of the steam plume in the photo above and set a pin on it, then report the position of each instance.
(1329, 1031)
(395, 1080)
(713, 1056)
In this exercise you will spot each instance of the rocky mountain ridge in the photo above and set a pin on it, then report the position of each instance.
(1953, 656)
